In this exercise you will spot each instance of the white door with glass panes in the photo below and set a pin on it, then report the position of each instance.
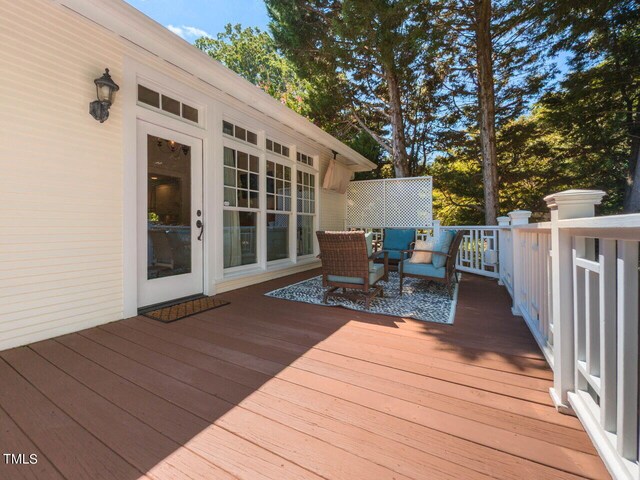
(170, 217)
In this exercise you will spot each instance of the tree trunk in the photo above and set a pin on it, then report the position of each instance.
(632, 191)
(487, 109)
(398, 141)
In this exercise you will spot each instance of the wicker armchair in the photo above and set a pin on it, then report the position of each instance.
(348, 265)
(445, 273)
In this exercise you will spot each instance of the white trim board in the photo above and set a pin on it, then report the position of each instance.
(131, 24)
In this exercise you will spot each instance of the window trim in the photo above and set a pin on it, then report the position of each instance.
(160, 90)
(239, 140)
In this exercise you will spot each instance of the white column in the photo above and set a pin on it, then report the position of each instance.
(565, 205)
(517, 217)
(503, 248)
(436, 228)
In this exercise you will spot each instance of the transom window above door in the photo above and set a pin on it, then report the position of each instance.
(167, 104)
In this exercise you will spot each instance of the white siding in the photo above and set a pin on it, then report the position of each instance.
(61, 176)
(61, 172)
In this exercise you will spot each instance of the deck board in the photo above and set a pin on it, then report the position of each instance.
(267, 388)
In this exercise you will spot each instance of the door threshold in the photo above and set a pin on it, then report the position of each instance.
(169, 303)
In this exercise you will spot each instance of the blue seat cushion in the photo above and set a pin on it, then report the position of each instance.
(443, 242)
(398, 239)
(376, 272)
(393, 254)
(424, 269)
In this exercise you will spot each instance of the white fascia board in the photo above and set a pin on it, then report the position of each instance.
(131, 24)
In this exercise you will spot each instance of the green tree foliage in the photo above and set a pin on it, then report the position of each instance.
(381, 61)
(252, 54)
(599, 101)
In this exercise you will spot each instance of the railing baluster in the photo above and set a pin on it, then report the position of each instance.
(627, 421)
(608, 381)
(591, 321)
(579, 310)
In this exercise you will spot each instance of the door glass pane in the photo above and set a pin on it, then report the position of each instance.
(240, 238)
(277, 236)
(168, 208)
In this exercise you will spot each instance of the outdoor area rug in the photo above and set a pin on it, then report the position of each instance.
(185, 309)
(420, 300)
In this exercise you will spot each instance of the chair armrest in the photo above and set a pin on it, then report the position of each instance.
(375, 255)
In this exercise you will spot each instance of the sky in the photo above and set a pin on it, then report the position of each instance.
(192, 19)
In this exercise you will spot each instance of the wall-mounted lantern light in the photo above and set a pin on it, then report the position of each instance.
(105, 91)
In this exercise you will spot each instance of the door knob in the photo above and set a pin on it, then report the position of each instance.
(200, 225)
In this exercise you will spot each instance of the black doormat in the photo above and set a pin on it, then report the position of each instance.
(175, 312)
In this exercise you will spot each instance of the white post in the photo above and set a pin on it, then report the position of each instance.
(503, 223)
(436, 228)
(565, 205)
(517, 217)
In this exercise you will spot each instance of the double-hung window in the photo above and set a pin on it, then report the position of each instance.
(278, 210)
(241, 205)
(306, 208)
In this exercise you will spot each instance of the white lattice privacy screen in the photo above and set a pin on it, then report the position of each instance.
(397, 202)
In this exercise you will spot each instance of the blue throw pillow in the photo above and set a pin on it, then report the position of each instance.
(398, 239)
(442, 245)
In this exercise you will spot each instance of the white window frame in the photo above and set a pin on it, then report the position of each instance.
(250, 149)
(162, 90)
(286, 162)
(304, 168)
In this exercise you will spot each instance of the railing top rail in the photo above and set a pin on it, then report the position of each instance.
(470, 227)
(533, 226)
(631, 220)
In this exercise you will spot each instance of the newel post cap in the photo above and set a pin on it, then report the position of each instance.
(503, 221)
(574, 198)
(519, 217)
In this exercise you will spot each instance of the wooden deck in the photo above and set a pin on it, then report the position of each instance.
(267, 388)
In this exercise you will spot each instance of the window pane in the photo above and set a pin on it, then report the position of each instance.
(229, 177)
(227, 128)
(240, 238)
(190, 113)
(279, 171)
(148, 96)
(252, 137)
(170, 105)
(229, 197)
(229, 157)
(243, 161)
(253, 163)
(285, 151)
(168, 208)
(269, 145)
(271, 169)
(287, 173)
(277, 147)
(241, 133)
(305, 234)
(277, 236)
(243, 198)
(253, 200)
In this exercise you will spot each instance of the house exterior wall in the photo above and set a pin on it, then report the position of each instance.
(65, 178)
(60, 228)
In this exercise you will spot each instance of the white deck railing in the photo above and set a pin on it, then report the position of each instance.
(574, 280)
(478, 251)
